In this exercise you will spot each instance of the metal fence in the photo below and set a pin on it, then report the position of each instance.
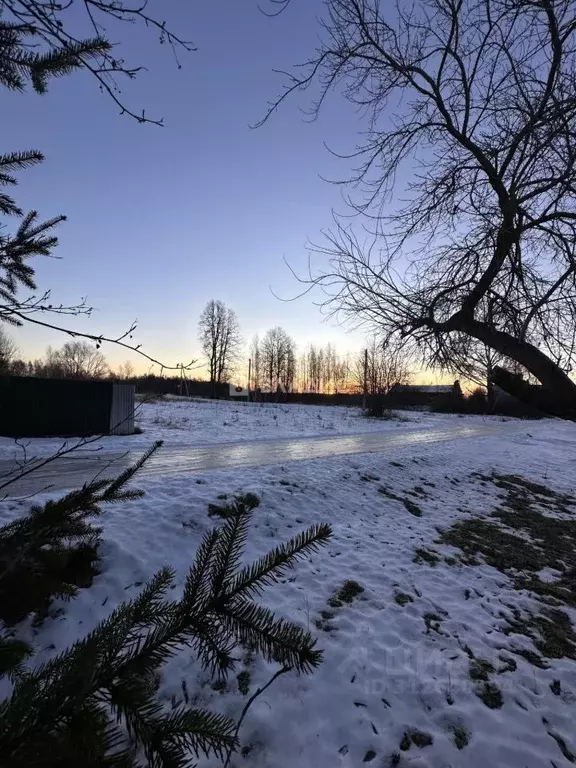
(122, 409)
(36, 407)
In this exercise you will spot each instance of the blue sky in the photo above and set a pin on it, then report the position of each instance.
(162, 219)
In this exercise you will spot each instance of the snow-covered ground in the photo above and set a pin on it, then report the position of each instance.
(180, 422)
(398, 657)
(207, 422)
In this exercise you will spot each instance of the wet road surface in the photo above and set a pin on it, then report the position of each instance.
(73, 470)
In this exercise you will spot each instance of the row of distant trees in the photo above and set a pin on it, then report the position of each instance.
(275, 366)
(274, 362)
(75, 360)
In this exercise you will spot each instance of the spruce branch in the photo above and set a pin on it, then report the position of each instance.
(114, 485)
(275, 639)
(13, 653)
(53, 550)
(252, 579)
(96, 703)
(198, 731)
(229, 547)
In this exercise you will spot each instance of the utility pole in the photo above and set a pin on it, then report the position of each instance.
(365, 395)
(249, 376)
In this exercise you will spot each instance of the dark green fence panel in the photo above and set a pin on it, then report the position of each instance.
(34, 407)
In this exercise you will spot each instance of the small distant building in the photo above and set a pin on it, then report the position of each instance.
(429, 389)
(421, 395)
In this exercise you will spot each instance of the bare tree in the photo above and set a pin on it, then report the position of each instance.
(78, 360)
(322, 370)
(8, 351)
(278, 360)
(126, 370)
(219, 334)
(472, 103)
(57, 31)
(387, 366)
(256, 357)
(315, 369)
(341, 375)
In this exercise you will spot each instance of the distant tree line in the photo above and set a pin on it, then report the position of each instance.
(274, 363)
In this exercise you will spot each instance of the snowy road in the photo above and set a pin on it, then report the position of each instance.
(71, 471)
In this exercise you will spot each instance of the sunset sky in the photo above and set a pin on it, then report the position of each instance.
(160, 220)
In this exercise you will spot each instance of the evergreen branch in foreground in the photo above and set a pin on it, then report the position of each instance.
(110, 677)
(54, 550)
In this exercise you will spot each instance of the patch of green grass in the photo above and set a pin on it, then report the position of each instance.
(388, 493)
(556, 687)
(243, 680)
(403, 599)
(480, 669)
(422, 555)
(480, 476)
(414, 509)
(499, 548)
(516, 481)
(461, 736)
(551, 631)
(570, 756)
(349, 590)
(421, 738)
(520, 539)
(432, 622)
(557, 638)
(490, 694)
(468, 651)
(347, 593)
(509, 665)
(417, 738)
(323, 625)
(531, 657)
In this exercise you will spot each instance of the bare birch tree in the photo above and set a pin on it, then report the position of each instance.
(8, 351)
(219, 334)
(256, 357)
(78, 360)
(278, 360)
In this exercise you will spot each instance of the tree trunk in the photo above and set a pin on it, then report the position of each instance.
(548, 373)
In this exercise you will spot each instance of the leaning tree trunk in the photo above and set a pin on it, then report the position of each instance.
(548, 373)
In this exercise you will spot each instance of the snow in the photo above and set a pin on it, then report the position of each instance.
(181, 422)
(383, 672)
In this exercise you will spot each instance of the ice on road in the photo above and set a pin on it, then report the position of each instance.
(75, 469)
